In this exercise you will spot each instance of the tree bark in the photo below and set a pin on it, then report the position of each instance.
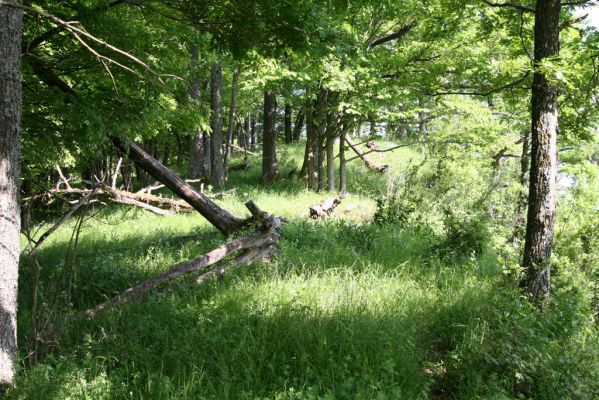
(543, 169)
(166, 150)
(220, 218)
(10, 148)
(253, 133)
(207, 161)
(342, 164)
(299, 123)
(520, 220)
(270, 168)
(319, 142)
(330, 136)
(288, 132)
(217, 177)
(246, 133)
(232, 111)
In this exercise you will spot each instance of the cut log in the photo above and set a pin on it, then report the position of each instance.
(324, 208)
(370, 163)
(220, 218)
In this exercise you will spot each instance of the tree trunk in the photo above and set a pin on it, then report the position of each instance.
(232, 111)
(270, 169)
(246, 132)
(253, 133)
(342, 164)
(166, 150)
(196, 156)
(372, 122)
(520, 219)
(543, 169)
(221, 219)
(179, 150)
(299, 123)
(319, 142)
(330, 136)
(126, 173)
(10, 148)
(308, 166)
(217, 177)
(207, 161)
(288, 133)
(196, 153)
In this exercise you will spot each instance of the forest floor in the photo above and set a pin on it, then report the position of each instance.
(346, 310)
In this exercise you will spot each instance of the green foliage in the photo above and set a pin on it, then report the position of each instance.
(347, 309)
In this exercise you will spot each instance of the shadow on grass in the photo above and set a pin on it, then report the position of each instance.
(235, 339)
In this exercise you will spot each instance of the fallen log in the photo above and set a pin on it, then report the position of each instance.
(255, 247)
(324, 208)
(247, 242)
(370, 163)
(220, 218)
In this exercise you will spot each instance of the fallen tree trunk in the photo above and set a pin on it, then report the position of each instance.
(258, 246)
(247, 242)
(324, 208)
(370, 163)
(220, 218)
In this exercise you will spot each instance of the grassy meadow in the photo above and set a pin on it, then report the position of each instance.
(348, 308)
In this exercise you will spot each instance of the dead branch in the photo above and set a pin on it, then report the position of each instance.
(158, 205)
(242, 150)
(157, 185)
(324, 208)
(116, 172)
(62, 220)
(62, 178)
(367, 160)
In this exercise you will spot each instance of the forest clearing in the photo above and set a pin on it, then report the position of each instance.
(299, 199)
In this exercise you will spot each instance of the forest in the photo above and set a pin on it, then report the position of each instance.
(299, 199)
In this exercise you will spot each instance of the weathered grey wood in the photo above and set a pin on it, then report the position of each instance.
(220, 218)
(256, 240)
(324, 208)
(367, 160)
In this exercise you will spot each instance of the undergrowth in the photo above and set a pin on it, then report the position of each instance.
(413, 305)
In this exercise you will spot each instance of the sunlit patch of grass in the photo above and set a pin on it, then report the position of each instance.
(346, 310)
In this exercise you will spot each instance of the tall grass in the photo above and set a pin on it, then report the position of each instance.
(347, 310)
